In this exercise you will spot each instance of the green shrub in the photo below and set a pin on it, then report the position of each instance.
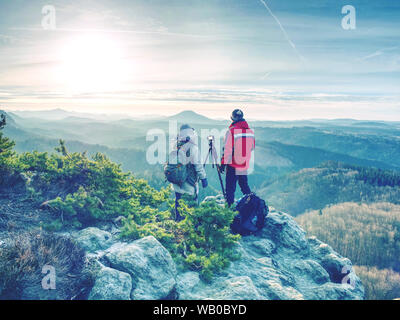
(208, 244)
(7, 157)
(202, 241)
(81, 191)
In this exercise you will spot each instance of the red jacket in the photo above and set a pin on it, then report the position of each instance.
(239, 143)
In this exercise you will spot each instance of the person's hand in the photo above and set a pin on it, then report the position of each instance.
(222, 168)
(204, 183)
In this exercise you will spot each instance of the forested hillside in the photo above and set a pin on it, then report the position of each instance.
(332, 183)
(369, 235)
(370, 143)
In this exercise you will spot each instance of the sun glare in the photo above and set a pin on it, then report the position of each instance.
(91, 62)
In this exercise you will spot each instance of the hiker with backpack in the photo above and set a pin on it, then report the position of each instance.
(238, 146)
(184, 168)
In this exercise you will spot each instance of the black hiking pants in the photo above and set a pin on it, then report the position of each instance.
(231, 179)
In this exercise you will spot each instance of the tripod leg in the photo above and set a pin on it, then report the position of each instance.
(215, 161)
(208, 154)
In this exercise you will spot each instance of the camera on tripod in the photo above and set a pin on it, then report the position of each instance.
(210, 140)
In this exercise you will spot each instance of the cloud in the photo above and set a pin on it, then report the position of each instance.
(259, 103)
(201, 95)
(163, 31)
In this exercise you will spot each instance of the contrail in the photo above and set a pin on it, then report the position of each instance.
(283, 30)
(377, 53)
(267, 74)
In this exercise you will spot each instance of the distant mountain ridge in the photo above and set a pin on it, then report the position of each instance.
(190, 117)
(60, 114)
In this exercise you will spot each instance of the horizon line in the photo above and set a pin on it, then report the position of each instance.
(188, 110)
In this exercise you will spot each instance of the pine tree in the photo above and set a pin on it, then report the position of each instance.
(6, 147)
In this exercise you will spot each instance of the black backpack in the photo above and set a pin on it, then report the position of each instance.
(175, 171)
(251, 217)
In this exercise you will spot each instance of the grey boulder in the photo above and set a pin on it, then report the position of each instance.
(150, 265)
(111, 284)
(93, 239)
(191, 287)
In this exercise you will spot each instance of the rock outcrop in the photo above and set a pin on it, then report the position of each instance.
(93, 239)
(279, 263)
(151, 266)
(111, 284)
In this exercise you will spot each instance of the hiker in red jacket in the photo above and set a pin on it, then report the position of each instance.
(239, 143)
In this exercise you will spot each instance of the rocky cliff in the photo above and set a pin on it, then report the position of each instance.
(279, 263)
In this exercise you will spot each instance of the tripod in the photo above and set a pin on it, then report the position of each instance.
(214, 159)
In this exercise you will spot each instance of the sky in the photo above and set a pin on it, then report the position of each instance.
(275, 59)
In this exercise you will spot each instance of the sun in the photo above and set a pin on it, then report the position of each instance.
(91, 63)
